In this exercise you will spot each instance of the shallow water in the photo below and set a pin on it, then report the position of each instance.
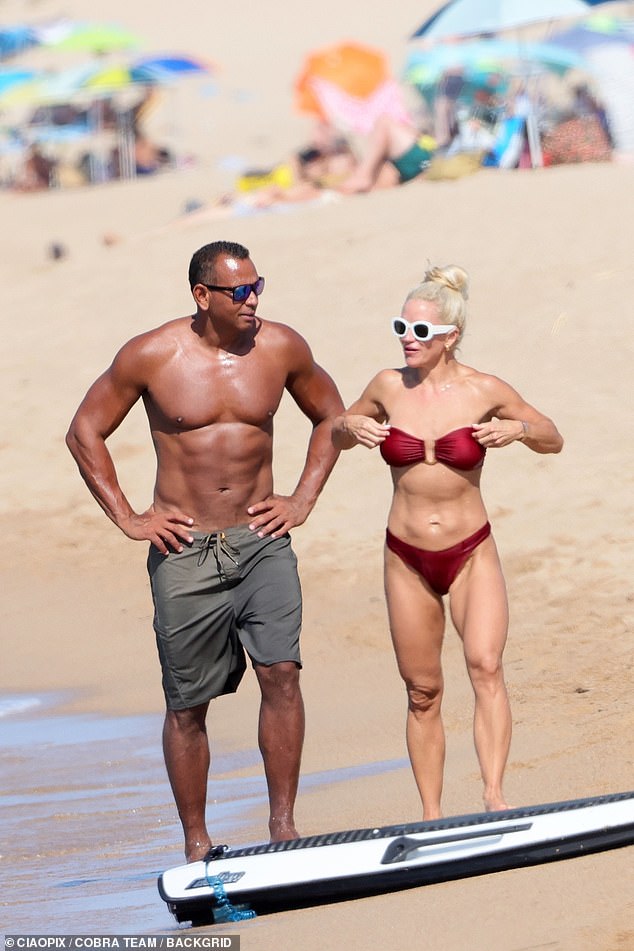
(87, 819)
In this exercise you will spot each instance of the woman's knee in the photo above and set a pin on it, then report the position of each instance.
(486, 670)
(424, 697)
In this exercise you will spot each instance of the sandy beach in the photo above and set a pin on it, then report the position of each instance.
(87, 811)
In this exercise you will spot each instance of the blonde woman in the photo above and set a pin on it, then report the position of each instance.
(433, 421)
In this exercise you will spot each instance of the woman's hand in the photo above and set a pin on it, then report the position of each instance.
(499, 432)
(352, 429)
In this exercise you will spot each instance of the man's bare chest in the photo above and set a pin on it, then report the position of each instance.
(193, 394)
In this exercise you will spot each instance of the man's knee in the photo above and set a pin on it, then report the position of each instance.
(279, 680)
(189, 720)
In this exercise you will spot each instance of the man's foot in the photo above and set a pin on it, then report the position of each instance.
(195, 851)
(282, 830)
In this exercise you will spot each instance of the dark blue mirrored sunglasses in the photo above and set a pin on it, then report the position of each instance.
(241, 292)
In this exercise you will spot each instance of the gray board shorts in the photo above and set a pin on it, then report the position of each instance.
(226, 593)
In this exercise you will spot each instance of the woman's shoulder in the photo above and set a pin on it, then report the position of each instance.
(481, 379)
(387, 379)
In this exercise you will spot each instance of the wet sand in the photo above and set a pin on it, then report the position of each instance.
(100, 813)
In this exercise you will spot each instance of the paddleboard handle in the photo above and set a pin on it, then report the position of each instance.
(399, 850)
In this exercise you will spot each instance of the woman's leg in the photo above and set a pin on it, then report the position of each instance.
(417, 624)
(479, 610)
(388, 139)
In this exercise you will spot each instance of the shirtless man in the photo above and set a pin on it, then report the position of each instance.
(223, 574)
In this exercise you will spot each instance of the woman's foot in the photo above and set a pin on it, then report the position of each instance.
(495, 803)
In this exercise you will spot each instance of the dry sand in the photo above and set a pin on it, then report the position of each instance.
(549, 253)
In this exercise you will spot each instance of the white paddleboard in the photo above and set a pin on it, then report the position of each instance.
(338, 865)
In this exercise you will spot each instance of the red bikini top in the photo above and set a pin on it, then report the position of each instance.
(457, 449)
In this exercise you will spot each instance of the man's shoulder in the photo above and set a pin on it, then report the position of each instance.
(169, 329)
(276, 329)
(281, 335)
(163, 335)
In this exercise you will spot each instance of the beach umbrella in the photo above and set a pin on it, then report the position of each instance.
(12, 79)
(87, 37)
(476, 59)
(15, 39)
(64, 85)
(169, 66)
(149, 71)
(459, 18)
(597, 30)
(349, 85)
(51, 87)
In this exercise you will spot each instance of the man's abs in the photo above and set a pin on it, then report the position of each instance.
(213, 475)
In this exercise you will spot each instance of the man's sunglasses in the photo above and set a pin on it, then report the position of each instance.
(421, 329)
(241, 292)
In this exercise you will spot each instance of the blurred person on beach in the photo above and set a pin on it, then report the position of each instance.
(446, 125)
(304, 177)
(433, 420)
(223, 574)
(37, 172)
(313, 174)
(396, 152)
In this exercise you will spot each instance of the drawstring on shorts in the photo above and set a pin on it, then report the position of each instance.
(217, 543)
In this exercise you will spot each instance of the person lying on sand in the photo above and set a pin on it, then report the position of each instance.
(396, 153)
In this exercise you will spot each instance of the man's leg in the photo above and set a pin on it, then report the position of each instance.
(186, 751)
(281, 738)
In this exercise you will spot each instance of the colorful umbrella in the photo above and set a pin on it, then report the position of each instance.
(15, 39)
(87, 37)
(479, 17)
(349, 85)
(63, 86)
(12, 79)
(148, 71)
(51, 87)
(168, 66)
(478, 58)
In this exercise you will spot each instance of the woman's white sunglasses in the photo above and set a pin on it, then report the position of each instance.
(421, 329)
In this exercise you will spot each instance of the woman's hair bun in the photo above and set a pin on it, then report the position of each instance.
(453, 277)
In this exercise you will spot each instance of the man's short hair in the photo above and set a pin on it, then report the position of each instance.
(202, 263)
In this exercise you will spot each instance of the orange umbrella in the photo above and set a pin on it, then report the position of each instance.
(349, 85)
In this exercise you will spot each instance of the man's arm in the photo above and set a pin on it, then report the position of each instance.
(101, 412)
(317, 396)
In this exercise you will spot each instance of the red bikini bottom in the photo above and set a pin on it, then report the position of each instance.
(438, 568)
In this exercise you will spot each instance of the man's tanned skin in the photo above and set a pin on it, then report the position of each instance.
(211, 384)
